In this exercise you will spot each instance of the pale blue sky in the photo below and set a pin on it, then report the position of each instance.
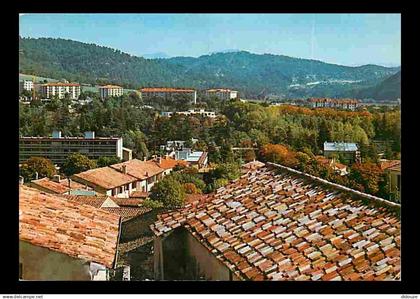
(349, 39)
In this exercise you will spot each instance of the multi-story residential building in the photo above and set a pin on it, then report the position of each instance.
(25, 85)
(222, 93)
(200, 112)
(168, 93)
(60, 89)
(110, 91)
(58, 148)
(346, 152)
(350, 104)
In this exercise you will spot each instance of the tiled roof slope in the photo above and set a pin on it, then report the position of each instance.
(128, 213)
(274, 225)
(94, 201)
(139, 169)
(80, 231)
(55, 187)
(105, 177)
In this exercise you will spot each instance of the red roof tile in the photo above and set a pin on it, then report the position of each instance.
(288, 227)
(105, 177)
(80, 231)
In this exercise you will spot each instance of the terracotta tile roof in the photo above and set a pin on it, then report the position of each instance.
(272, 224)
(169, 163)
(385, 164)
(220, 90)
(395, 168)
(127, 202)
(252, 165)
(105, 177)
(165, 89)
(139, 194)
(80, 231)
(139, 169)
(55, 187)
(128, 213)
(94, 201)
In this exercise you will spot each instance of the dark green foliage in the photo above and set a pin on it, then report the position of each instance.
(44, 167)
(168, 191)
(76, 163)
(256, 76)
(106, 161)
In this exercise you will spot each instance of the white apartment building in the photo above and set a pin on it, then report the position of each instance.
(26, 85)
(222, 93)
(201, 112)
(110, 91)
(50, 90)
(168, 93)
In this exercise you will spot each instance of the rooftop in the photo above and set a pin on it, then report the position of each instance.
(340, 146)
(60, 84)
(55, 187)
(220, 90)
(337, 101)
(385, 164)
(105, 177)
(274, 224)
(110, 86)
(139, 169)
(80, 231)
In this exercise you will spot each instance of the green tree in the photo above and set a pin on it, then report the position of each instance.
(168, 191)
(43, 166)
(76, 163)
(106, 161)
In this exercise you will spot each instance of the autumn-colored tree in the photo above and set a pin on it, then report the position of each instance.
(275, 153)
(249, 155)
(368, 175)
(190, 188)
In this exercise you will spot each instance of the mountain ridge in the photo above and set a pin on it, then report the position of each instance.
(254, 75)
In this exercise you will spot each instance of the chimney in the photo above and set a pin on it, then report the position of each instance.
(21, 180)
(159, 160)
(36, 175)
(144, 159)
(69, 182)
(56, 178)
(124, 169)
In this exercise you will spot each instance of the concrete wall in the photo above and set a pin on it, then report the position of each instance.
(39, 263)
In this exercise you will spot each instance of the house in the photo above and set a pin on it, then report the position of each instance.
(384, 164)
(146, 173)
(62, 240)
(56, 185)
(276, 223)
(335, 166)
(197, 159)
(346, 152)
(107, 181)
(394, 179)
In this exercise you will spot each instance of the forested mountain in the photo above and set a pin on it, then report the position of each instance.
(252, 74)
(388, 89)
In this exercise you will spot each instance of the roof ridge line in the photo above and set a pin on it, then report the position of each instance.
(337, 186)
